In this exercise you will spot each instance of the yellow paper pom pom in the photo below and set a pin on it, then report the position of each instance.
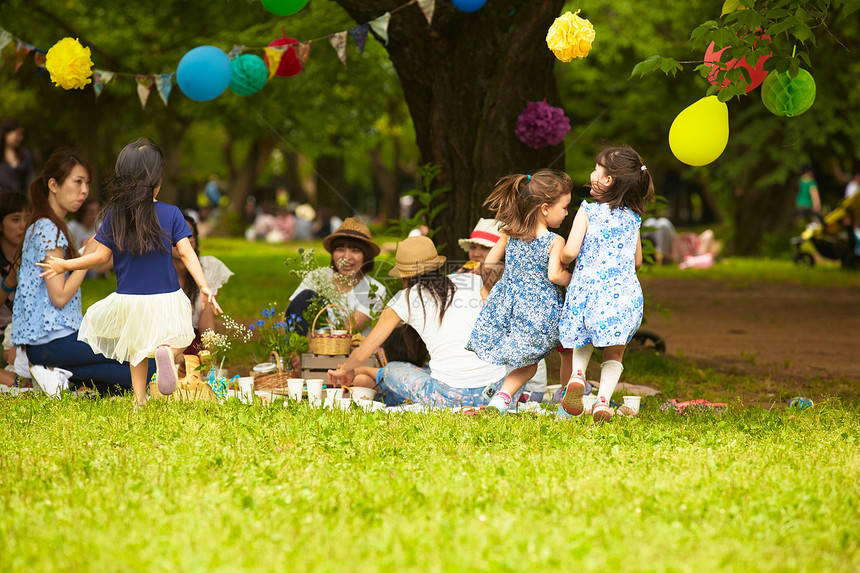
(570, 37)
(69, 64)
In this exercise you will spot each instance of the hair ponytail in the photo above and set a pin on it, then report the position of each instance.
(516, 200)
(631, 186)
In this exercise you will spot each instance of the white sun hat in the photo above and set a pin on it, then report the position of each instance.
(486, 233)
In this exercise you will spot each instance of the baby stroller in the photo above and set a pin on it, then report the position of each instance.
(832, 237)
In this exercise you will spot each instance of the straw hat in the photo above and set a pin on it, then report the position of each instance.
(485, 233)
(415, 256)
(352, 228)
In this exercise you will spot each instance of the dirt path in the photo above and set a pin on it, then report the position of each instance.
(787, 332)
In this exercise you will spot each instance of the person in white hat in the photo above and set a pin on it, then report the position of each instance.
(482, 238)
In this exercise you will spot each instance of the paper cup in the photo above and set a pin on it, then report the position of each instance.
(361, 394)
(315, 388)
(295, 387)
(587, 402)
(633, 402)
(332, 397)
(246, 389)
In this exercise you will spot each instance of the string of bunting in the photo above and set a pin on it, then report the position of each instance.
(204, 72)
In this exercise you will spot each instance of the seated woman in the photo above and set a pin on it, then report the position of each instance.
(353, 254)
(47, 312)
(14, 209)
(217, 274)
(442, 309)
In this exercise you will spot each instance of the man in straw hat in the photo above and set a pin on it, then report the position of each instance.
(345, 281)
(442, 309)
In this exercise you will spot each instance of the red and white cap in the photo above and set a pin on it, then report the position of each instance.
(486, 233)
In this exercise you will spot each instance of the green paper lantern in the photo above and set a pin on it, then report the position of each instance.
(249, 74)
(783, 95)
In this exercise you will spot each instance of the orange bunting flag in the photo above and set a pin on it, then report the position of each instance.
(303, 52)
(144, 87)
(338, 42)
(273, 58)
(21, 53)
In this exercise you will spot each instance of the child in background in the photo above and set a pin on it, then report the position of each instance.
(518, 325)
(149, 314)
(14, 210)
(404, 344)
(603, 307)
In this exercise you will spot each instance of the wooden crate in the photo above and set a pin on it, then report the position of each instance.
(318, 365)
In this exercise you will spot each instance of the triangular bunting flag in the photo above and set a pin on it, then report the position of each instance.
(5, 38)
(100, 80)
(164, 83)
(39, 58)
(236, 52)
(144, 86)
(273, 58)
(21, 53)
(338, 42)
(359, 35)
(303, 52)
(427, 6)
(380, 27)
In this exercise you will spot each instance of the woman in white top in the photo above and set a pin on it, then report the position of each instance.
(353, 255)
(216, 273)
(442, 309)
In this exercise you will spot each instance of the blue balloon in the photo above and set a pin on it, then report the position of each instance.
(469, 5)
(204, 73)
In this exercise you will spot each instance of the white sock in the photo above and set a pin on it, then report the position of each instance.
(580, 358)
(610, 373)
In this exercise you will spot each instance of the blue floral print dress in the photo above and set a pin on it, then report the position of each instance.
(518, 325)
(604, 301)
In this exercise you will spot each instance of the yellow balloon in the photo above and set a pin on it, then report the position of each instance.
(700, 132)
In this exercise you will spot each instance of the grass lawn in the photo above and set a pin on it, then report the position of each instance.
(89, 486)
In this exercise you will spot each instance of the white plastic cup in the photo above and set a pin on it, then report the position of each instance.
(295, 387)
(362, 395)
(315, 388)
(588, 402)
(246, 389)
(633, 402)
(332, 397)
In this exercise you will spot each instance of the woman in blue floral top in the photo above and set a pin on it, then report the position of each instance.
(47, 312)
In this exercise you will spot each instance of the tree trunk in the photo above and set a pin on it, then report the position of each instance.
(171, 131)
(243, 179)
(387, 183)
(466, 79)
(331, 184)
(759, 210)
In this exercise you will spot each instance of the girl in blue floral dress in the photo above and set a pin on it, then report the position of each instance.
(603, 307)
(518, 325)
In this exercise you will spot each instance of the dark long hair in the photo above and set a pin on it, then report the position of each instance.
(631, 185)
(12, 202)
(437, 285)
(516, 200)
(404, 344)
(134, 222)
(58, 166)
(7, 125)
(192, 289)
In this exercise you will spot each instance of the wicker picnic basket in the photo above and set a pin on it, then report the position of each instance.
(330, 345)
(274, 380)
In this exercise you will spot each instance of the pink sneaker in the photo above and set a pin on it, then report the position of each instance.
(572, 399)
(165, 374)
(601, 412)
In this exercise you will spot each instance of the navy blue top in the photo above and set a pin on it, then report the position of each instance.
(151, 273)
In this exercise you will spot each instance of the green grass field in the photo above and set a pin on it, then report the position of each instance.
(87, 485)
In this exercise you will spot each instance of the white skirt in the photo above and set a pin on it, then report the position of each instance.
(130, 327)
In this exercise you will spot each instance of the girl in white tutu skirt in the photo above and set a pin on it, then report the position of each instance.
(148, 315)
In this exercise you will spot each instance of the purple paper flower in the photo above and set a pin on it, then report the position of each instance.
(541, 124)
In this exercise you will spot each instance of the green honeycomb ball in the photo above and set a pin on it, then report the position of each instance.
(783, 95)
(249, 74)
